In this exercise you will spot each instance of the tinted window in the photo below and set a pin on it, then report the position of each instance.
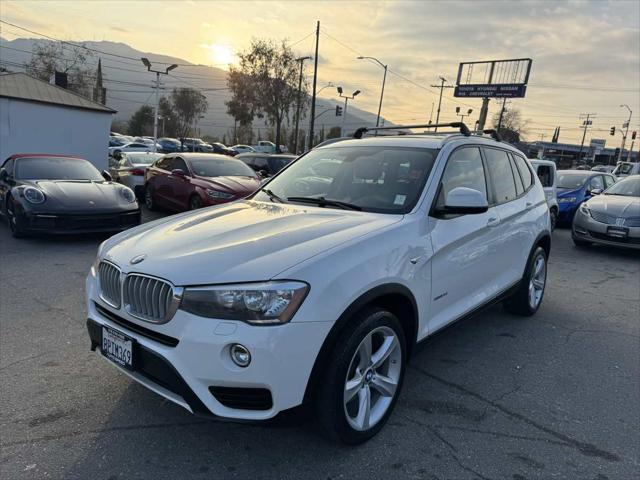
(545, 174)
(368, 177)
(260, 163)
(504, 188)
(608, 181)
(517, 178)
(179, 164)
(51, 168)
(164, 163)
(596, 183)
(525, 171)
(278, 163)
(213, 167)
(464, 169)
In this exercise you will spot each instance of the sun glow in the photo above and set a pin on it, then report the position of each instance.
(221, 55)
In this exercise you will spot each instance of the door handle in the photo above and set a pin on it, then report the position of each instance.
(493, 222)
(528, 204)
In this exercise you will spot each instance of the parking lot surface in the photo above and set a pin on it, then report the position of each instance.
(556, 395)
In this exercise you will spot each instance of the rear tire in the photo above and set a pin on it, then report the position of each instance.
(528, 297)
(363, 378)
(553, 214)
(149, 201)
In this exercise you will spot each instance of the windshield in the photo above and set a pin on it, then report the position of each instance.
(374, 179)
(143, 158)
(629, 187)
(623, 168)
(278, 163)
(212, 167)
(51, 168)
(571, 180)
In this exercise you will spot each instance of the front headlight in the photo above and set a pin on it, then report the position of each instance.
(567, 199)
(33, 195)
(219, 195)
(128, 194)
(269, 303)
(96, 262)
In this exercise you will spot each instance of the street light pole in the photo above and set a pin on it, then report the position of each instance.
(624, 138)
(384, 79)
(295, 138)
(166, 71)
(344, 113)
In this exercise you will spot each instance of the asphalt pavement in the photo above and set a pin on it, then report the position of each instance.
(556, 395)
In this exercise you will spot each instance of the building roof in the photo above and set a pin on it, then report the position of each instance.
(25, 87)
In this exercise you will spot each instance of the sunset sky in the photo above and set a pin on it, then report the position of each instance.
(586, 55)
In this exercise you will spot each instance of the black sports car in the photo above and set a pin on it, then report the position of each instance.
(63, 194)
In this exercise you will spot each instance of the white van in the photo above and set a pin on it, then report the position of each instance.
(546, 171)
(624, 169)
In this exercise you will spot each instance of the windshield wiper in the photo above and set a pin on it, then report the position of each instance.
(323, 202)
(272, 196)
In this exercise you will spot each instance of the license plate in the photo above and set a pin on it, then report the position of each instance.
(117, 347)
(617, 232)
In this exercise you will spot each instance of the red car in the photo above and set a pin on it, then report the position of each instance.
(186, 181)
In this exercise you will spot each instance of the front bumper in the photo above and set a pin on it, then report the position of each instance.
(68, 223)
(566, 211)
(191, 366)
(587, 229)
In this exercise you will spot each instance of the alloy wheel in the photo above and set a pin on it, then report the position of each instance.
(537, 281)
(372, 378)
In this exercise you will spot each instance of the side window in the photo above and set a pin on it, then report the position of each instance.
(260, 163)
(8, 166)
(464, 169)
(596, 183)
(503, 184)
(164, 163)
(179, 164)
(608, 181)
(525, 172)
(545, 174)
(517, 178)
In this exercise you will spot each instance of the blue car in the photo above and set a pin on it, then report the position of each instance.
(577, 186)
(170, 145)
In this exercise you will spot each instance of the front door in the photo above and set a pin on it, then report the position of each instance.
(464, 246)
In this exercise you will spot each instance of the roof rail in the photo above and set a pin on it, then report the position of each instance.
(463, 128)
(494, 134)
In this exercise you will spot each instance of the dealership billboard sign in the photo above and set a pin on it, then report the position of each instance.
(493, 78)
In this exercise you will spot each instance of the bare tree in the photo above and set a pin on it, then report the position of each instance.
(513, 127)
(265, 84)
(48, 57)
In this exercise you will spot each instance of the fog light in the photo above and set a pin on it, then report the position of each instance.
(240, 355)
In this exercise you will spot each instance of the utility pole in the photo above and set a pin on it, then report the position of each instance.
(295, 138)
(586, 123)
(504, 104)
(441, 87)
(166, 71)
(315, 80)
(624, 137)
(384, 79)
(344, 112)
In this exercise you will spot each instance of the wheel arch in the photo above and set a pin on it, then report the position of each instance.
(394, 297)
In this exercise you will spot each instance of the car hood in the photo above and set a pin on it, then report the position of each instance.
(242, 185)
(617, 205)
(241, 241)
(82, 195)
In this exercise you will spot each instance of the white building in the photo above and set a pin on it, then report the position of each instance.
(37, 117)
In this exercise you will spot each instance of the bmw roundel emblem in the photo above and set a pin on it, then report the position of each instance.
(137, 259)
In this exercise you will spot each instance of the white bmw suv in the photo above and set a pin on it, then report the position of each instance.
(316, 288)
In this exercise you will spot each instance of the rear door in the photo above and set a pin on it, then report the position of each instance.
(465, 248)
(157, 178)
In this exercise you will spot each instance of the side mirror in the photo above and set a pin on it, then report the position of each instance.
(463, 200)
(178, 172)
(595, 191)
(107, 176)
(3, 174)
(117, 156)
(263, 173)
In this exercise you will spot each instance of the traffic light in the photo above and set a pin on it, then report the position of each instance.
(338, 111)
(612, 131)
(458, 110)
(633, 135)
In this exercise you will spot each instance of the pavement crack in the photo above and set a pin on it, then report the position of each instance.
(585, 448)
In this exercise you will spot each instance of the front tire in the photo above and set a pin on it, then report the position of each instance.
(195, 202)
(528, 297)
(15, 222)
(149, 201)
(363, 377)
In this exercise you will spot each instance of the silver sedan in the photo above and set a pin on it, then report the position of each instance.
(611, 218)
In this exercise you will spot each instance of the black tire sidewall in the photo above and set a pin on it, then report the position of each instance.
(16, 229)
(149, 202)
(329, 401)
(197, 200)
